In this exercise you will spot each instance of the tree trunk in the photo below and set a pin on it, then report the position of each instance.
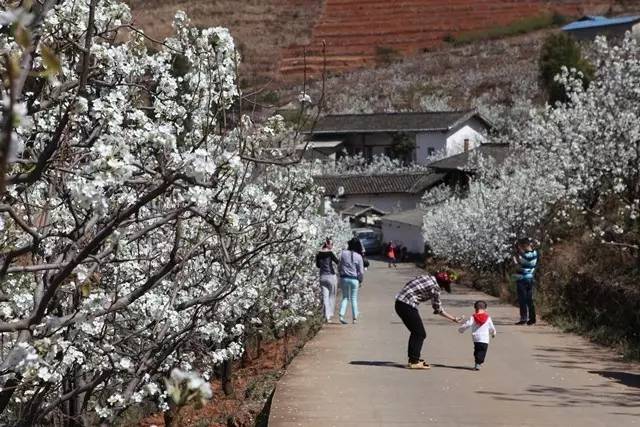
(7, 392)
(227, 380)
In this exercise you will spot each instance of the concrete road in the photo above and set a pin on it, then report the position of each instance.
(354, 375)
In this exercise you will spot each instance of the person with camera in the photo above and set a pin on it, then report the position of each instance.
(526, 259)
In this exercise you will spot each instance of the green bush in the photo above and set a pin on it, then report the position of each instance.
(557, 51)
(522, 26)
(386, 55)
(270, 97)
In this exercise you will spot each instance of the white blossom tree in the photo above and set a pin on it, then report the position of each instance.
(139, 232)
(582, 156)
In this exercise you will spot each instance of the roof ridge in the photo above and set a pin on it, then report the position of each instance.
(402, 113)
(364, 175)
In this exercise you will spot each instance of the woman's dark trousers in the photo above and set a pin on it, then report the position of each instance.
(411, 318)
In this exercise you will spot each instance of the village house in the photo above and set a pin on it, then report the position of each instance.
(458, 170)
(405, 228)
(588, 27)
(384, 192)
(411, 137)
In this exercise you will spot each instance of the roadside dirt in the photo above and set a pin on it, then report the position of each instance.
(254, 379)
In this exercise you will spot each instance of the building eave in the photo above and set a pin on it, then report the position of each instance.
(334, 132)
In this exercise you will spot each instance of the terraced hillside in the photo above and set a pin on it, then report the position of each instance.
(262, 28)
(357, 32)
(273, 34)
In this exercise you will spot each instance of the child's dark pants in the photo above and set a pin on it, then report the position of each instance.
(480, 351)
(411, 318)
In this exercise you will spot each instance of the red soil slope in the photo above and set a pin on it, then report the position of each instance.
(354, 31)
(261, 28)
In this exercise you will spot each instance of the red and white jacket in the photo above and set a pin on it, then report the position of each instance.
(481, 327)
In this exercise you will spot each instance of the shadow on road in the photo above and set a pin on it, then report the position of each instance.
(565, 397)
(626, 378)
(462, 368)
(385, 364)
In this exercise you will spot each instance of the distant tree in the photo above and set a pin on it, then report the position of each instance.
(560, 50)
(403, 146)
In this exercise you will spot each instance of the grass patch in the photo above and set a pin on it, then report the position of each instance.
(294, 119)
(522, 26)
(270, 98)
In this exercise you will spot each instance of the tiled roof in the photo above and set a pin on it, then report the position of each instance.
(358, 209)
(600, 21)
(394, 122)
(498, 152)
(411, 217)
(412, 183)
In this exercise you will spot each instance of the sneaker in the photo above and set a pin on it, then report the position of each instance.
(344, 322)
(477, 367)
(419, 365)
(355, 321)
(531, 322)
(522, 322)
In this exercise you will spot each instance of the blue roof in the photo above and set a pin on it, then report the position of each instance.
(599, 21)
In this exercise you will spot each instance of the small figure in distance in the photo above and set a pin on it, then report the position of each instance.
(481, 327)
(391, 253)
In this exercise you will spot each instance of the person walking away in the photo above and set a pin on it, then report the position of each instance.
(325, 259)
(526, 259)
(351, 270)
(481, 328)
(359, 248)
(421, 289)
(391, 255)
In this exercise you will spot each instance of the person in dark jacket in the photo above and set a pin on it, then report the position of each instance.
(358, 248)
(325, 260)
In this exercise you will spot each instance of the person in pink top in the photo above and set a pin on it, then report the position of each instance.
(481, 327)
(391, 253)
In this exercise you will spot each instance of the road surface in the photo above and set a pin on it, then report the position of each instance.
(354, 375)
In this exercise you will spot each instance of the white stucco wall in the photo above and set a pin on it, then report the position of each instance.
(409, 235)
(425, 140)
(473, 130)
(389, 203)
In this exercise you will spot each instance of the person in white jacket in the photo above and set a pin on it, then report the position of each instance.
(481, 327)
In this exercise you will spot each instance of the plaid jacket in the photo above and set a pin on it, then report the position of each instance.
(421, 289)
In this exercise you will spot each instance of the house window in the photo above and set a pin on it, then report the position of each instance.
(431, 151)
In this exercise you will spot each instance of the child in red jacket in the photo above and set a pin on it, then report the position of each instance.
(481, 327)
